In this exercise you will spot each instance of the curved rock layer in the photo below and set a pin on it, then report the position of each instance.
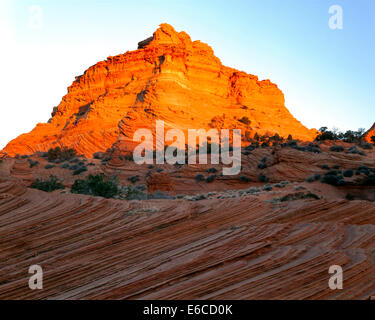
(93, 248)
(168, 78)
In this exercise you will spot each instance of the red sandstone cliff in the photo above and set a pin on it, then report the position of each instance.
(370, 133)
(168, 78)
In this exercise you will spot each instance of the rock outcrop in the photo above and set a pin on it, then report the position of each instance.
(95, 248)
(370, 133)
(169, 78)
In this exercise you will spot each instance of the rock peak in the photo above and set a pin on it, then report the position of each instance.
(167, 35)
(170, 78)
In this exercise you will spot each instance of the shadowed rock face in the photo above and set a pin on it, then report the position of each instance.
(169, 78)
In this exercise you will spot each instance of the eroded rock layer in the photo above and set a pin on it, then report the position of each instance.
(94, 248)
(169, 78)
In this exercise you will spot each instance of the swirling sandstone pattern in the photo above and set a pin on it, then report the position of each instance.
(94, 248)
(169, 78)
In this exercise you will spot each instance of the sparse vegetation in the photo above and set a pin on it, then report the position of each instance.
(97, 185)
(63, 153)
(263, 178)
(79, 170)
(49, 166)
(334, 178)
(199, 177)
(299, 196)
(313, 178)
(211, 178)
(337, 149)
(244, 179)
(33, 163)
(134, 179)
(53, 183)
(348, 173)
(349, 136)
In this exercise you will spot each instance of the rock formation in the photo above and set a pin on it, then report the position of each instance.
(169, 78)
(370, 133)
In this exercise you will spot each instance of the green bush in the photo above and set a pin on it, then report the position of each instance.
(263, 178)
(337, 148)
(244, 179)
(348, 173)
(211, 178)
(134, 179)
(49, 166)
(199, 177)
(97, 185)
(48, 185)
(79, 170)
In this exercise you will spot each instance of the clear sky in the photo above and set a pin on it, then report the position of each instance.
(327, 76)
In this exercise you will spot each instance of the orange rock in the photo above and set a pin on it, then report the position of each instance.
(159, 182)
(370, 133)
(21, 169)
(170, 78)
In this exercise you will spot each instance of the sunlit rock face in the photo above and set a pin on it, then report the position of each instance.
(170, 78)
(370, 133)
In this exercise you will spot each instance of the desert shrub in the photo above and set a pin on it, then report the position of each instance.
(53, 183)
(65, 166)
(314, 177)
(159, 170)
(325, 167)
(199, 177)
(79, 170)
(366, 145)
(369, 181)
(211, 178)
(354, 150)
(349, 197)
(211, 170)
(132, 193)
(336, 167)
(337, 149)
(263, 178)
(24, 156)
(61, 153)
(373, 139)
(244, 179)
(348, 136)
(98, 155)
(128, 157)
(348, 173)
(160, 195)
(298, 196)
(134, 179)
(97, 185)
(49, 166)
(333, 178)
(262, 165)
(267, 187)
(33, 163)
(364, 169)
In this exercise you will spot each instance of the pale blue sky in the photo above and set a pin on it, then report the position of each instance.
(327, 76)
